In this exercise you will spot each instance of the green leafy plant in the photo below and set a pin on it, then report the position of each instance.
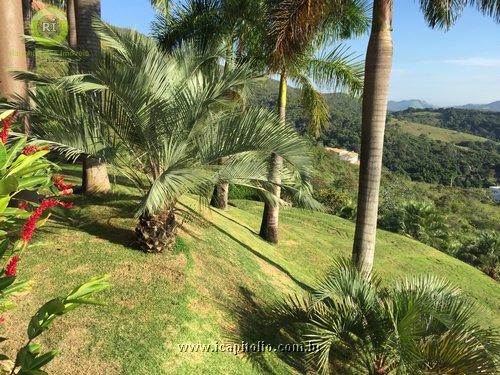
(482, 252)
(419, 220)
(24, 167)
(422, 325)
(169, 118)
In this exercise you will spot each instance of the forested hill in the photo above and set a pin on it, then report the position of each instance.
(475, 164)
(481, 123)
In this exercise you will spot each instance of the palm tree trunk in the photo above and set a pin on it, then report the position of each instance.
(270, 218)
(96, 178)
(157, 233)
(30, 53)
(30, 50)
(72, 35)
(13, 52)
(220, 195)
(376, 91)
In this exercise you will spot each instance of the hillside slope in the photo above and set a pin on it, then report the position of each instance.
(436, 133)
(210, 290)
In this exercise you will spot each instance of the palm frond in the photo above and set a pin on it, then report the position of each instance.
(338, 70)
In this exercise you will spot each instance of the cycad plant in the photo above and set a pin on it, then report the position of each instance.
(230, 24)
(169, 118)
(352, 324)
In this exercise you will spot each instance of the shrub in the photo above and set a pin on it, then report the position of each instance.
(419, 220)
(483, 252)
(337, 202)
(351, 324)
(23, 166)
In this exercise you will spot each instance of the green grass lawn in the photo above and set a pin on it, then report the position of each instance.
(438, 134)
(209, 290)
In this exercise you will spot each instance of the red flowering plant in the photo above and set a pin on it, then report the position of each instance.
(24, 167)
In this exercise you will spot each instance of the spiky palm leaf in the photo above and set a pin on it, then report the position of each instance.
(173, 116)
(444, 13)
(422, 325)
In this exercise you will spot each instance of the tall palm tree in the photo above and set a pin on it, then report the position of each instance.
(168, 120)
(438, 13)
(296, 30)
(95, 173)
(421, 325)
(13, 55)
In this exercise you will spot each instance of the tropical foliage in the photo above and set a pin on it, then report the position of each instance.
(422, 325)
(167, 120)
(421, 221)
(483, 252)
(23, 166)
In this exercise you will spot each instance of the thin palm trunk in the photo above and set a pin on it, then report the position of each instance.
(13, 56)
(30, 49)
(72, 35)
(270, 218)
(220, 196)
(96, 178)
(376, 90)
(30, 52)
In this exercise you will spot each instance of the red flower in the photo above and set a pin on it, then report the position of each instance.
(30, 224)
(6, 124)
(2, 320)
(23, 205)
(31, 149)
(67, 192)
(67, 205)
(11, 268)
(61, 185)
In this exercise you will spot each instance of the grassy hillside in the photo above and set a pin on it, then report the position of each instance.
(436, 133)
(480, 123)
(209, 290)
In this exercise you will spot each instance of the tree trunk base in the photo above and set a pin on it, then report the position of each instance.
(269, 225)
(157, 233)
(220, 196)
(95, 176)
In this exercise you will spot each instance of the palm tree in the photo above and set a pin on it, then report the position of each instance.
(296, 30)
(167, 120)
(483, 252)
(438, 13)
(95, 173)
(13, 56)
(211, 22)
(422, 325)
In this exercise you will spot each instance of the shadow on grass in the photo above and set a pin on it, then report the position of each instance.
(264, 258)
(249, 248)
(114, 205)
(263, 326)
(100, 228)
(236, 222)
(114, 178)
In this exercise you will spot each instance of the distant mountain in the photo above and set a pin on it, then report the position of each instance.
(493, 107)
(405, 104)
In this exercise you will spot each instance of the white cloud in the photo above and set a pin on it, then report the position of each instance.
(475, 61)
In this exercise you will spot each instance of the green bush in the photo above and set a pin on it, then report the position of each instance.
(483, 252)
(23, 167)
(352, 324)
(419, 220)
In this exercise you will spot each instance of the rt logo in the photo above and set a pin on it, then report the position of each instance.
(51, 23)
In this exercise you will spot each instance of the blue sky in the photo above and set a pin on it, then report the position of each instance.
(444, 68)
